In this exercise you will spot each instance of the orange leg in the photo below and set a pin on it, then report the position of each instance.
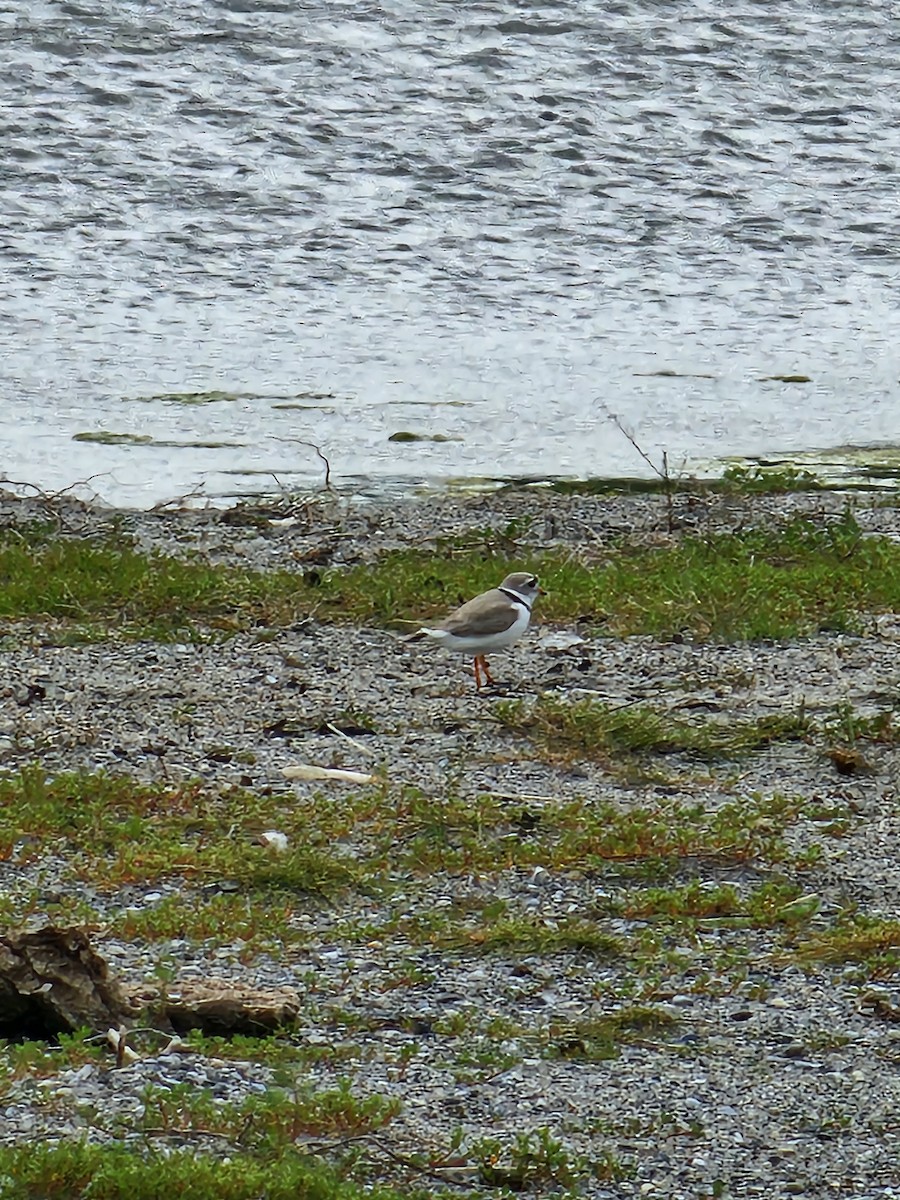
(481, 668)
(477, 666)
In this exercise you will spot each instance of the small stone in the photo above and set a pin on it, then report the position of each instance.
(794, 1050)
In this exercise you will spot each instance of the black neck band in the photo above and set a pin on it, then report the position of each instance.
(515, 596)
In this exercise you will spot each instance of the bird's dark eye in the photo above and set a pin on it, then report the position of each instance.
(532, 582)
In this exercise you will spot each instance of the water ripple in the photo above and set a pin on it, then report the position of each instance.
(519, 207)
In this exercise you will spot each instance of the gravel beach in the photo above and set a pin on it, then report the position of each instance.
(779, 1075)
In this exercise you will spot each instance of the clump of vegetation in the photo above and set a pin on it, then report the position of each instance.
(589, 729)
(762, 583)
(259, 922)
(847, 726)
(768, 904)
(270, 1123)
(113, 1171)
(596, 1039)
(537, 1161)
(847, 731)
(114, 829)
(525, 935)
(872, 943)
(90, 581)
(670, 832)
(772, 480)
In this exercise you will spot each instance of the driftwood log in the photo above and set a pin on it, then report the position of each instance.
(52, 982)
(215, 1006)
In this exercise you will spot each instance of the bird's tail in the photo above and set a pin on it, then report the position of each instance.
(414, 637)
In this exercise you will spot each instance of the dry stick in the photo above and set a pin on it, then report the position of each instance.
(52, 495)
(662, 474)
(434, 1170)
(318, 450)
(313, 1147)
(351, 741)
(523, 797)
(178, 501)
(171, 1131)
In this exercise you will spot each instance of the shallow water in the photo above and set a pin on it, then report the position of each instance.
(229, 227)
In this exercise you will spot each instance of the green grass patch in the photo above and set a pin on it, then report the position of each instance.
(765, 583)
(872, 943)
(663, 836)
(259, 921)
(539, 1163)
(114, 829)
(418, 835)
(81, 1171)
(524, 935)
(270, 1123)
(847, 726)
(769, 904)
(596, 1039)
(274, 1050)
(37, 1059)
(589, 729)
(85, 581)
(769, 481)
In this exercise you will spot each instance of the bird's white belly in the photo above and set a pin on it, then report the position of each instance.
(483, 643)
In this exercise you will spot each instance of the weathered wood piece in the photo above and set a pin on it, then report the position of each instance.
(52, 981)
(218, 1007)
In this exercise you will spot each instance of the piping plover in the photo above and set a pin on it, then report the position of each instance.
(492, 621)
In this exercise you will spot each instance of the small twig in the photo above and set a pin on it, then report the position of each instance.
(50, 496)
(172, 1131)
(433, 1171)
(52, 499)
(523, 796)
(626, 433)
(351, 741)
(583, 691)
(178, 502)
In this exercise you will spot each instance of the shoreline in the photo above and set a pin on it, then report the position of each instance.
(464, 972)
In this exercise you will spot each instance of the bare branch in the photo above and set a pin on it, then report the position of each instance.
(319, 452)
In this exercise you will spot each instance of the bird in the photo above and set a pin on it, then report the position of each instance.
(491, 621)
